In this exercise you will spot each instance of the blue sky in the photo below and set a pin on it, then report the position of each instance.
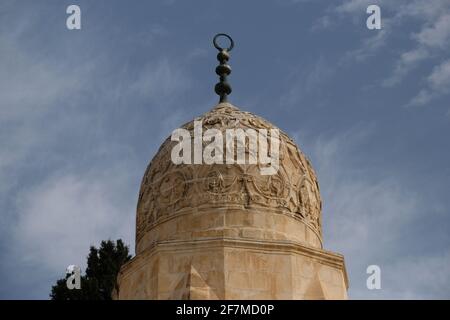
(82, 112)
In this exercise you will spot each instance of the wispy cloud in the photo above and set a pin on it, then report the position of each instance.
(433, 37)
(69, 176)
(159, 81)
(438, 83)
(365, 215)
(62, 216)
(370, 46)
(354, 6)
(307, 80)
(408, 60)
(430, 43)
(81, 114)
(355, 10)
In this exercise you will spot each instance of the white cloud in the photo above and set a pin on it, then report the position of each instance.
(307, 81)
(56, 205)
(323, 22)
(365, 216)
(160, 80)
(31, 87)
(436, 35)
(424, 10)
(431, 41)
(433, 36)
(413, 277)
(438, 84)
(370, 46)
(422, 98)
(61, 217)
(440, 78)
(356, 10)
(355, 6)
(35, 88)
(408, 60)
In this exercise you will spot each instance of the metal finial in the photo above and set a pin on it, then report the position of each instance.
(223, 88)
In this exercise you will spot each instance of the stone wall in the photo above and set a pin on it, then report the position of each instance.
(233, 269)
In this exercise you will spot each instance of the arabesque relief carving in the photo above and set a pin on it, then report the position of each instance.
(168, 189)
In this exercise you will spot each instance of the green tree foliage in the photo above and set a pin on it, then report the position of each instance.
(103, 265)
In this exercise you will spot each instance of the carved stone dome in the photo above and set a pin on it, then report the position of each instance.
(235, 201)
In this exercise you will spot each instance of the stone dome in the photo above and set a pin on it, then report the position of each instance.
(202, 201)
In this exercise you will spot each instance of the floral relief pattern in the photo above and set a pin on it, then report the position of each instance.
(168, 189)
